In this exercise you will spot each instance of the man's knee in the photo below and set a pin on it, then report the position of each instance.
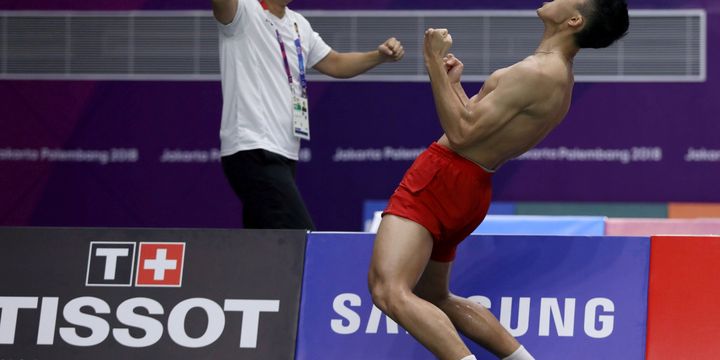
(389, 298)
(378, 291)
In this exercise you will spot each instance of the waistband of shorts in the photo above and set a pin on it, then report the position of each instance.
(458, 160)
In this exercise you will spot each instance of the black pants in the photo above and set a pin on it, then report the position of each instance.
(265, 183)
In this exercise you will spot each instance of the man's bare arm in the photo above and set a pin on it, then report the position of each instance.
(347, 65)
(450, 109)
(519, 89)
(466, 124)
(454, 68)
(460, 92)
(224, 10)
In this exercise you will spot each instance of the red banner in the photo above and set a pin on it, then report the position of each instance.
(683, 316)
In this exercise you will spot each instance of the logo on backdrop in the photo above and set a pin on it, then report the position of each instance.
(110, 264)
(555, 316)
(128, 293)
(160, 264)
(128, 264)
(113, 264)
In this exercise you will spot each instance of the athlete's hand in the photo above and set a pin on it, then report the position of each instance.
(437, 42)
(454, 68)
(391, 50)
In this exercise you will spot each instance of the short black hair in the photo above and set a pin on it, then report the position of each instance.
(606, 21)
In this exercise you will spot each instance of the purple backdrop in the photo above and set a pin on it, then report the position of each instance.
(153, 116)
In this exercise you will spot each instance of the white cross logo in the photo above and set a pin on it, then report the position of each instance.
(160, 264)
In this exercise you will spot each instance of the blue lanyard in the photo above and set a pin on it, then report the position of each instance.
(301, 62)
(298, 48)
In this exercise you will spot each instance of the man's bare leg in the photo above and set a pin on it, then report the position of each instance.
(472, 319)
(401, 252)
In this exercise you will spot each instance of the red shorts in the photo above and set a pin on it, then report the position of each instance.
(447, 194)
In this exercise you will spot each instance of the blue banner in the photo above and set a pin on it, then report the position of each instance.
(371, 207)
(562, 297)
(542, 225)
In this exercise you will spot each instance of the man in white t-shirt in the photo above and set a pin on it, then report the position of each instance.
(265, 49)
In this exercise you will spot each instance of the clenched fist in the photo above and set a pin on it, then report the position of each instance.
(437, 42)
(454, 68)
(391, 50)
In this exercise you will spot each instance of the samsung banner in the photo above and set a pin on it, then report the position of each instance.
(562, 297)
(149, 294)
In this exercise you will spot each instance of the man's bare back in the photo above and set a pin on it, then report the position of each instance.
(546, 80)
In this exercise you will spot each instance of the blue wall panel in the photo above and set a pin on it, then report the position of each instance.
(582, 297)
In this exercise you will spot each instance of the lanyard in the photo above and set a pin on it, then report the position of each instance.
(298, 48)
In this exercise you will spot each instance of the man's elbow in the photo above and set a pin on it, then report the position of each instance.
(329, 70)
(217, 4)
(224, 11)
(335, 70)
(458, 140)
(225, 20)
(341, 75)
(462, 136)
(332, 65)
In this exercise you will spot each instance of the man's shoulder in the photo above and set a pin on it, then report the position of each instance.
(527, 72)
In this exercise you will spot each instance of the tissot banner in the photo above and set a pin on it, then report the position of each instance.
(149, 294)
(562, 297)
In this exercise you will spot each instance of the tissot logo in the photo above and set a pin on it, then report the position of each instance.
(110, 264)
(158, 264)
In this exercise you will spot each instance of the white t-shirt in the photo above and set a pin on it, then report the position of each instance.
(257, 102)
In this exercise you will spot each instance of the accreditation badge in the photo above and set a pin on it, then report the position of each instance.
(301, 118)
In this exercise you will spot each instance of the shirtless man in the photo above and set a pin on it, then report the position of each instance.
(444, 196)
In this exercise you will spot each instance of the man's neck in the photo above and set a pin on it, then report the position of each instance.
(276, 8)
(559, 42)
